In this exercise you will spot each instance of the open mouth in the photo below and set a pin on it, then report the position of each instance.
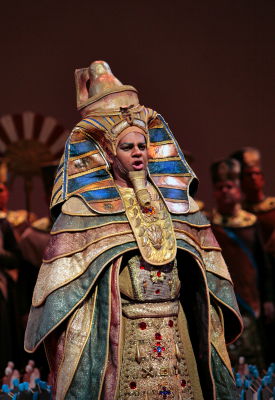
(137, 165)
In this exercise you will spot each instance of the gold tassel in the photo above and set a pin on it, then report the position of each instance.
(178, 353)
(138, 355)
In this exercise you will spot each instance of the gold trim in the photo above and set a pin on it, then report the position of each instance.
(177, 175)
(78, 141)
(176, 200)
(86, 172)
(189, 223)
(84, 155)
(175, 158)
(102, 200)
(161, 143)
(78, 192)
(172, 187)
(87, 228)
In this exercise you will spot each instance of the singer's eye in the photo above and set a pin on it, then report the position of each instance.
(126, 146)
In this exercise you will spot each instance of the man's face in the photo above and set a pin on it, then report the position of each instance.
(132, 154)
(252, 179)
(227, 193)
(4, 196)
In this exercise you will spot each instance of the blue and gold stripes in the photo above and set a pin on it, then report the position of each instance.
(168, 168)
(174, 194)
(83, 170)
(85, 179)
(81, 148)
(159, 135)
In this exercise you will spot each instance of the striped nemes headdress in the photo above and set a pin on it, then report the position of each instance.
(108, 107)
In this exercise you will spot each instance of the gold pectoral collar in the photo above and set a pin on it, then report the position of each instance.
(152, 228)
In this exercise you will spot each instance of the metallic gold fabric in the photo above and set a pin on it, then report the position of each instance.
(221, 290)
(154, 361)
(157, 352)
(214, 262)
(152, 310)
(101, 81)
(217, 336)
(68, 243)
(150, 282)
(63, 270)
(153, 231)
(77, 334)
(76, 206)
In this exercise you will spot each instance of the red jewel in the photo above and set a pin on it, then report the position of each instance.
(183, 383)
(142, 267)
(133, 385)
(158, 336)
(163, 349)
(170, 323)
(157, 291)
(159, 354)
(155, 349)
(142, 325)
(158, 273)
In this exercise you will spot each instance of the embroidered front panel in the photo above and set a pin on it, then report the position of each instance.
(154, 365)
(152, 282)
(152, 226)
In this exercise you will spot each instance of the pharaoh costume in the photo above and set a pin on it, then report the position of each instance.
(131, 302)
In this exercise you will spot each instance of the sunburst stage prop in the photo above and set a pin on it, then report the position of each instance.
(29, 141)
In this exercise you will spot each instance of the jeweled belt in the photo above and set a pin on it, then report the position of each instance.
(150, 310)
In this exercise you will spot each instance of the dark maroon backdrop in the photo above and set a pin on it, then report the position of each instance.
(207, 66)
